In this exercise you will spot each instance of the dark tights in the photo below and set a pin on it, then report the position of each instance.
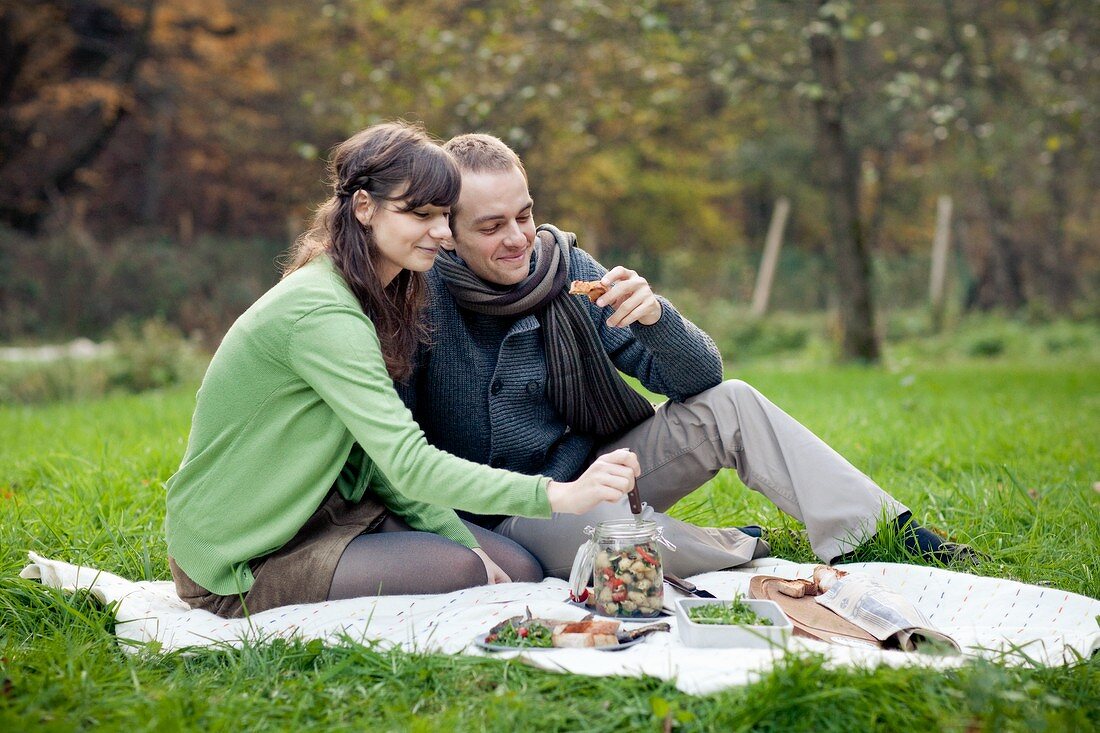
(397, 560)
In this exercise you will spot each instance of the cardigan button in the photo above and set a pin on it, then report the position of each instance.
(533, 387)
(496, 386)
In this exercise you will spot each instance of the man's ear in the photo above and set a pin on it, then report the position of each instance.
(364, 206)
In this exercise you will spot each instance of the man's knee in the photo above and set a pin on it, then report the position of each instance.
(731, 390)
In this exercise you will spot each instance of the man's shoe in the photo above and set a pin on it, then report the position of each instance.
(956, 553)
(925, 543)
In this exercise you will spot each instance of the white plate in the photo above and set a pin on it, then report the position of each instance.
(480, 643)
(665, 613)
(726, 635)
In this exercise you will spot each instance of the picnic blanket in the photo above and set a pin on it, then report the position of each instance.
(998, 619)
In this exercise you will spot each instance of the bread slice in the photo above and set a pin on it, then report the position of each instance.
(593, 289)
(576, 641)
(589, 626)
(586, 633)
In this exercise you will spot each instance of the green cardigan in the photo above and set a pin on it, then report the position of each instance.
(296, 384)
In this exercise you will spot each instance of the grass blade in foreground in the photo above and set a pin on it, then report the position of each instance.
(1000, 456)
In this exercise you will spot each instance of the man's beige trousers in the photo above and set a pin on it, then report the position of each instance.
(685, 444)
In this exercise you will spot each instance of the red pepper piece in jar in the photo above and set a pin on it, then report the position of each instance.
(646, 557)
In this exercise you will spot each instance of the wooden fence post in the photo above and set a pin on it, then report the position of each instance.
(772, 242)
(941, 244)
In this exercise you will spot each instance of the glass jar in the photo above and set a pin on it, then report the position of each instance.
(624, 561)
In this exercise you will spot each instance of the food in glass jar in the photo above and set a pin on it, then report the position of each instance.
(627, 581)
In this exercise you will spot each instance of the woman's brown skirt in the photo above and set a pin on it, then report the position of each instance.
(298, 572)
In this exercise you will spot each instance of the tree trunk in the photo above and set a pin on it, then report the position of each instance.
(28, 184)
(1007, 265)
(774, 240)
(876, 224)
(155, 160)
(840, 172)
(1001, 281)
(941, 243)
(1058, 260)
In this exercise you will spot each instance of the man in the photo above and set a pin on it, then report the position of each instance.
(522, 375)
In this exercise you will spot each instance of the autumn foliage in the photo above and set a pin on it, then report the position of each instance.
(661, 132)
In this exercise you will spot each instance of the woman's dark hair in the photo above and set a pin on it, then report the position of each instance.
(393, 161)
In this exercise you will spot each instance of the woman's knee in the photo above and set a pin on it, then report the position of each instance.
(382, 563)
(512, 557)
(526, 570)
(469, 570)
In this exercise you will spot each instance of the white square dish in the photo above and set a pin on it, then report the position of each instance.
(728, 636)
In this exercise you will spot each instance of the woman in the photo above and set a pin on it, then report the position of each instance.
(304, 477)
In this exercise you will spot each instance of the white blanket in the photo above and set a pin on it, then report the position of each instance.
(989, 617)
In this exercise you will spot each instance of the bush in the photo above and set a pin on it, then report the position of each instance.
(63, 379)
(986, 345)
(152, 355)
(64, 284)
(755, 338)
(739, 336)
(993, 336)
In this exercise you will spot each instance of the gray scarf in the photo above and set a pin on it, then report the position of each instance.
(582, 382)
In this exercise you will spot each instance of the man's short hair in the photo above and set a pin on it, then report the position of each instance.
(477, 152)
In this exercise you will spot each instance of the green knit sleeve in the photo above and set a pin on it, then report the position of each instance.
(423, 517)
(360, 476)
(336, 351)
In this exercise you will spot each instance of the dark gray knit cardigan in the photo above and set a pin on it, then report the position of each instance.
(479, 391)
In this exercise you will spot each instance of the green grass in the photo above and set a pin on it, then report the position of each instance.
(994, 453)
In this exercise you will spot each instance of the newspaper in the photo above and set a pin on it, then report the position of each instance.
(883, 613)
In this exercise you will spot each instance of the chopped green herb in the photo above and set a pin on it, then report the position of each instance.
(730, 613)
(522, 635)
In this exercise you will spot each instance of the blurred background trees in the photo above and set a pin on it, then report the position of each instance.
(157, 155)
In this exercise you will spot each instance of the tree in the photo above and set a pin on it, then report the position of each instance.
(840, 175)
(597, 99)
(1017, 84)
(148, 110)
(661, 131)
(67, 84)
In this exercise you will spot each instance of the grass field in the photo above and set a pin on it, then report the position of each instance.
(997, 454)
